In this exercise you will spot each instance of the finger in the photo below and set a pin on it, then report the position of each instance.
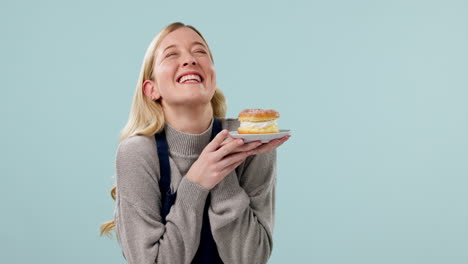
(232, 159)
(228, 148)
(248, 146)
(226, 141)
(264, 148)
(217, 140)
(231, 167)
(270, 146)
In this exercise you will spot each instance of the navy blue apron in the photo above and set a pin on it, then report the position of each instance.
(207, 251)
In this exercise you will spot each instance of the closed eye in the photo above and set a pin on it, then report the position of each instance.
(170, 54)
(200, 51)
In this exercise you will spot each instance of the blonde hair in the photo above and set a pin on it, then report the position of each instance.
(147, 116)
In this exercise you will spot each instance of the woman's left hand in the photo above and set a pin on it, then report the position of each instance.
(262, 148)
(268, 147)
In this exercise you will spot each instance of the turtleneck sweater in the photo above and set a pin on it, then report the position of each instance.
(241, 209)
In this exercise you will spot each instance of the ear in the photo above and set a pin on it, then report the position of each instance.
(150, 89)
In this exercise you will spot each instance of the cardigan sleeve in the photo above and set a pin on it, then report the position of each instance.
(142, 235)
(242, 211)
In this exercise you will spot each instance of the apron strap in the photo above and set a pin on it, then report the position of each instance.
(165, 171)
(207, 251)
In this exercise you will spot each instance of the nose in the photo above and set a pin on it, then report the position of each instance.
(187, 63)
(193, 63)
(189, 60)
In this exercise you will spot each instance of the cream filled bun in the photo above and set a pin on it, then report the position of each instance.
(258, 121)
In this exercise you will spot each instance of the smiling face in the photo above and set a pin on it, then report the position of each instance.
(183, 70)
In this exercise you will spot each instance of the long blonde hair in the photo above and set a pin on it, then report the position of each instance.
(147, 116)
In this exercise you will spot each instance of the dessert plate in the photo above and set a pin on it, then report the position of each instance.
(265, 138)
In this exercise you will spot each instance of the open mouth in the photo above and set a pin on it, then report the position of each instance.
(190, 78)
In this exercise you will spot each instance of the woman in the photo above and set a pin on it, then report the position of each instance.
(186, 192)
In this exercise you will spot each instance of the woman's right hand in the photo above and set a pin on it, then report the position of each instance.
(217, 160)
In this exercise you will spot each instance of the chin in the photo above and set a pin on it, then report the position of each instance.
(191, 100)
(189, 95)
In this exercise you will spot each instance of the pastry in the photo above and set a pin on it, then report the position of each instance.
(258, 121)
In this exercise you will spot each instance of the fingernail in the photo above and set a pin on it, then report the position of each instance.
(240, 141)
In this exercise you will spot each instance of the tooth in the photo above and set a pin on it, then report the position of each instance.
(190, 77)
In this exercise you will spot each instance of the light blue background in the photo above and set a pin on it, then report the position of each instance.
(375, 93)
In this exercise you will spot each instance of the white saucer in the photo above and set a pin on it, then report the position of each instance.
(262, 137)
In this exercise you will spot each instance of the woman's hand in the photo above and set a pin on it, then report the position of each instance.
(261, 148)
(217, 159)
(270, 146)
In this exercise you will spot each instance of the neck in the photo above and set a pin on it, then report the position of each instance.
(190, 120)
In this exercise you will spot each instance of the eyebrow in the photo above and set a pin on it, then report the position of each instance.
(193, 44)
